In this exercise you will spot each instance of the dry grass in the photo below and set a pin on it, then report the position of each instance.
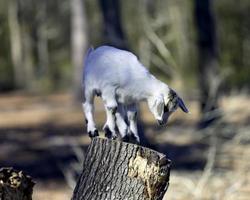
(52, 191)
(226, 174)
(227, 179)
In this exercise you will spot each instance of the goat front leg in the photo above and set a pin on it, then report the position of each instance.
(88, 108)
(132, 120)
(111, 105)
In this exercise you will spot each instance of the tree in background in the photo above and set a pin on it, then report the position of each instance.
(209, 79)
(20, 45)
(15, 43)
(42, 38)
(113, 31)
(79, 42)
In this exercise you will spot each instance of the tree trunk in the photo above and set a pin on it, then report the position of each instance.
(113, 32)
(117, 170)
(42, 39)
(28, 64)
(79, 42)
(15, 185)
(208, 66)
(15, 43)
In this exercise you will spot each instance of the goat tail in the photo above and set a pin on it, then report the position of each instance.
(87, 55)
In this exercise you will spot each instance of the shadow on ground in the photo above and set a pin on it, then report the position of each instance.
(42, 151)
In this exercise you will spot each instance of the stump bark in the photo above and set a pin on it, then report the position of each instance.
(15, 185)
(115, 170)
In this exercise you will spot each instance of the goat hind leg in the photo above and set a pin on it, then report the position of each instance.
(88, 109)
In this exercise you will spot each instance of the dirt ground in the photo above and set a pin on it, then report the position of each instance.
(45, 136)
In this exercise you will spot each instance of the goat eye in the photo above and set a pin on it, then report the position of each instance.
(166, 109)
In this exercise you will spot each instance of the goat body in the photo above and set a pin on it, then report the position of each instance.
(122, 81)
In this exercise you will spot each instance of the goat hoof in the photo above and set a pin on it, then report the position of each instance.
(93, 134)
(125, 138)
(96, 133)
(114, 137)
(134, 139)
(107, 131)
(89, 133)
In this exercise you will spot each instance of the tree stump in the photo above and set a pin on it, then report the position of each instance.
(115, 170)
(15, 185)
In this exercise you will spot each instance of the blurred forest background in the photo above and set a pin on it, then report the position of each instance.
(199, 47)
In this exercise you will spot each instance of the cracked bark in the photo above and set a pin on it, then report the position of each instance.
(15, 185)
(115, 170)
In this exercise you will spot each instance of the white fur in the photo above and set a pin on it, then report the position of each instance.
(122, 81)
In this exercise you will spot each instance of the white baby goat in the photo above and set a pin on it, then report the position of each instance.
(122, 81)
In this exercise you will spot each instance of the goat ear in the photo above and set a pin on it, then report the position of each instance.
(160, 107)
(182, 105)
